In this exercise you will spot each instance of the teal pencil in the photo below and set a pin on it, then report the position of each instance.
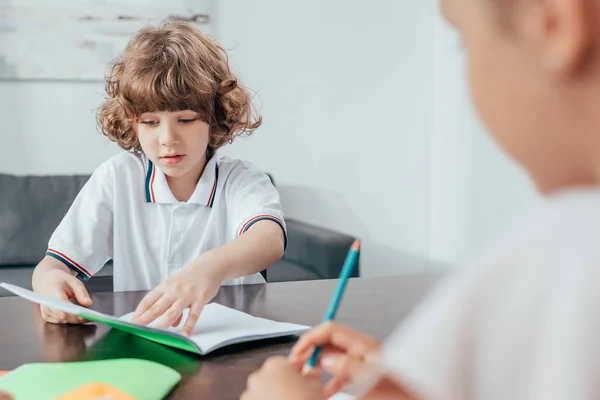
(349, 264)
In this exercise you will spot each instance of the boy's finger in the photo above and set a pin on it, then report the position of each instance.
(147, 302)
(192, 318)
(61, 317)
(73, 319)
(155, 311)
(172, 314)
(79, 291)
(178, 321)
(51, 319)
(51, 315)
(56, 317)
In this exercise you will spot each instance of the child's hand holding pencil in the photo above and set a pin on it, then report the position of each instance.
(336, 349)
(344, 353)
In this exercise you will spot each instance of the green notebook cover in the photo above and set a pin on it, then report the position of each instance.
(144, 380)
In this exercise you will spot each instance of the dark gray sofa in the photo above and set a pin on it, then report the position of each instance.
(32, 206)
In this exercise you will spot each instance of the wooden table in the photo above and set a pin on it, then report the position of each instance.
(371, 305)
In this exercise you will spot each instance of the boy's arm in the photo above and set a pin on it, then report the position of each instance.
(261, 246)
(257, 248)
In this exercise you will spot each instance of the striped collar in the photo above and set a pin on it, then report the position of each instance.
(157, 189)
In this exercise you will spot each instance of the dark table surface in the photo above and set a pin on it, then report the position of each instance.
(371, 305)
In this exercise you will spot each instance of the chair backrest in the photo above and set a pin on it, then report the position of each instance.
(31, 207)
(320, 250)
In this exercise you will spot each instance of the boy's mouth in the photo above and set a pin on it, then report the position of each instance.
(172, 159)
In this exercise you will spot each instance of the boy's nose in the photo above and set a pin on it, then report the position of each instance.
(168, 135)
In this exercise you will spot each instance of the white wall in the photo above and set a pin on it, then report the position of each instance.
(477, 192)
(49, 127)
(346, 91)
(367, 127)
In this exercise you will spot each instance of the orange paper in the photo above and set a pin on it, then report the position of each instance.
(96, 391)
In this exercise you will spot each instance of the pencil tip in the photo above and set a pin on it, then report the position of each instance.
(356, 245)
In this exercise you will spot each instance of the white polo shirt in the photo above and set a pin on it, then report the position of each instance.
(126, 212)
(522, 323)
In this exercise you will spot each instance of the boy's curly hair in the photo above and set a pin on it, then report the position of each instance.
(170, 68)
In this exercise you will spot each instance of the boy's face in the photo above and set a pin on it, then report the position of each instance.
(175, 141)
(517, 95)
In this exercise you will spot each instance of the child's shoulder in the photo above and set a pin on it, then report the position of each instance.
(560, 238)
(531, 298)
(566, 218)
(235, 164)
(125, 161)
(237, 169)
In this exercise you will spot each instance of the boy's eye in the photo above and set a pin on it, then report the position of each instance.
(187, 120)
(148, 122)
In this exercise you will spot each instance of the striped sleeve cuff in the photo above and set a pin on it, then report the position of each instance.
(82, 273)
(260, 217)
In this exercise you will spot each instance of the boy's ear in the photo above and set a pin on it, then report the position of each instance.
(567, 31)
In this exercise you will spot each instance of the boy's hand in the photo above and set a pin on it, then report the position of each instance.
(278, 379)
(192, 287)
(59, 284)
(344, 352)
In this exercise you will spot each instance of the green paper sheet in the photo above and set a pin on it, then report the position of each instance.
(144, 380)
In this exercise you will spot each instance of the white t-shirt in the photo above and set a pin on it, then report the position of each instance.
(522, 323)
(126, 212)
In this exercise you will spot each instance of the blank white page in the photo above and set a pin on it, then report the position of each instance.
(219, 326)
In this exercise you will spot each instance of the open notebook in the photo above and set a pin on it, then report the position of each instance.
(218, 326)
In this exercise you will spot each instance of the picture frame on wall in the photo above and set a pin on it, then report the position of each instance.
(77, 39)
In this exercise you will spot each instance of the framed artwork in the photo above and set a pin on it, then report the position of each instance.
(77, 39)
